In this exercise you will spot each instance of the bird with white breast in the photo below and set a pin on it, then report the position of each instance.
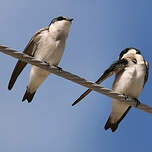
(131, 72)
(47, 45)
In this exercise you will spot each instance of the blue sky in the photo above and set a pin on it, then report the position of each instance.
(100, 30)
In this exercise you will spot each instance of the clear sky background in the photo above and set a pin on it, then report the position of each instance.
(100, 30)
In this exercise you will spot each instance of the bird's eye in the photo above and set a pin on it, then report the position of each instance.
(60, 18)
(138, 52)
(134, 61)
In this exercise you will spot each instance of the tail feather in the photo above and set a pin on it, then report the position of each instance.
(28, 95)
(111, 125)
(114, 126)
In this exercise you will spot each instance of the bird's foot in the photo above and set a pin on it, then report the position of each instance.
(53, 66)
(135, 99)
(59, 68)
(46, 63)
(137, 102)
(126, 97)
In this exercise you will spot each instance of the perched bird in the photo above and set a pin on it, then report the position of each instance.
(131, 75)
(46, 45)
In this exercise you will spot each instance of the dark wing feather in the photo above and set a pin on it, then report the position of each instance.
(113, 69)
(30, 50)
(147, 72)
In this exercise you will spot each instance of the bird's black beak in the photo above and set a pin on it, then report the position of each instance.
(70, 19)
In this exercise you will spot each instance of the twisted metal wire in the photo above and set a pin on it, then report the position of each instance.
(74, 78)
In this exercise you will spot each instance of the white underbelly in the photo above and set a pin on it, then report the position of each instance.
(50, 50)
(131, 81)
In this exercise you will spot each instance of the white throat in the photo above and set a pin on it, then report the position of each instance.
(60, 28)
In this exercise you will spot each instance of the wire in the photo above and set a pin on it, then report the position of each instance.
(74, 78)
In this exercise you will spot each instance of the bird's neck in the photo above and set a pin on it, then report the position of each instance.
(58, 34)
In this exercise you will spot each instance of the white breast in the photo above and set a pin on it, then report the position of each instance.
(50, 49)
(131, 80)
(128, 82)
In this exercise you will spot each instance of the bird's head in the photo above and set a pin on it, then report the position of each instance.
(61, 23)
(132, 54)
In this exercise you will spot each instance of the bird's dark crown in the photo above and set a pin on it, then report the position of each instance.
(126, 50)
(60, 18)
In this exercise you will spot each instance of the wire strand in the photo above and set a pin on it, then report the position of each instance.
(74, 78)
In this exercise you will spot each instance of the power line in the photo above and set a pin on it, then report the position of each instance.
(74, 78)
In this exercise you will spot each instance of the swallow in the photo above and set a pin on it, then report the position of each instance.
(131, 74)
(47, 45)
